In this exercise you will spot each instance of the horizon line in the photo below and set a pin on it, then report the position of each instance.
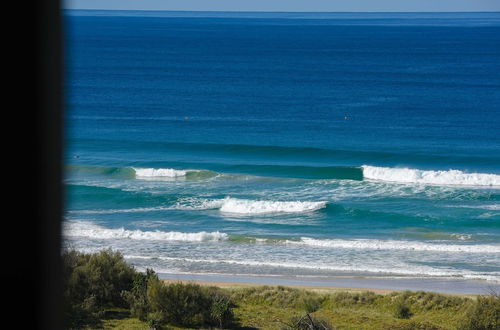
(276, 11)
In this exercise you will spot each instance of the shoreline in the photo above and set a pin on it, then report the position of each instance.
(331, 284)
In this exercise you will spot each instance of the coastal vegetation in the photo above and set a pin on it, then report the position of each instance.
(102, 291)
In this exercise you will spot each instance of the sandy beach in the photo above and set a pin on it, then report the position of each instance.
(352, 284)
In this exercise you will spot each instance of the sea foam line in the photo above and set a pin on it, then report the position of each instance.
(85, 229)
(90, 230)
(400, 270)
(492, 207)
(450, 177)
(373, 244)
(225, 205)
(113, 211)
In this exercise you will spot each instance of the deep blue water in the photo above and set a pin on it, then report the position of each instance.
(280, 143)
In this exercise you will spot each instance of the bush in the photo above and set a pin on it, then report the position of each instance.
(402, 311)
(93, 282)
(188, 305)
(307, 322)
(137, 297)
(484, 314)
(311, 303)
(221, 310)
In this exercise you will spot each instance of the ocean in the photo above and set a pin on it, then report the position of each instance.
(285, 144)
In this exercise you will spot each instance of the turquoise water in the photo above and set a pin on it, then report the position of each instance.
(286, 144)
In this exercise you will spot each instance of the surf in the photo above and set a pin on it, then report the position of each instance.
(445, 177)
(89, 230)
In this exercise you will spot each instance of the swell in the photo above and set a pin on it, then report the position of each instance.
(129, 172)
(451, 177)
(288, 154)
(302, 172)
(145, 203)
(289, 171)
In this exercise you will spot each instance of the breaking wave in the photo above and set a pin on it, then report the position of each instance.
(85, 229)
(245, 206)
(450, 177)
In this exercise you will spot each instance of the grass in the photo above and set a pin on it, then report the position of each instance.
(266, 307)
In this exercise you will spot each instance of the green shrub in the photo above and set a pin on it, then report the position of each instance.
(188, 305)
(307, 322)
(311, 303)
(221, 310)
(402, 311)
(483, 314)
(92, 282)
(137, 297)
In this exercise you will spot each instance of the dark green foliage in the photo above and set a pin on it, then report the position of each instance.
(93, 282)
(177, 303)
(189, 304)
(483, 314)
(137, 297)
(307, 322)
(153, 324)
(402, 311)
(311, 303)
(221, 309)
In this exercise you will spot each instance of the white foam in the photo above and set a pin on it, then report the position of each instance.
(226, 205)
(249, 207)
(86, 229)
(492, 207)
(192, 203)
(450, 177)
(373, 244)
(159, 173)
(113, 211)
(395, 269)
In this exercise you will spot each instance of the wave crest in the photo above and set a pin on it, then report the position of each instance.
(159, 173)
(85, 229)
(250, 207)
(450, 177)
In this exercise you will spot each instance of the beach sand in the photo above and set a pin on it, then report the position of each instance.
(332, 284)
